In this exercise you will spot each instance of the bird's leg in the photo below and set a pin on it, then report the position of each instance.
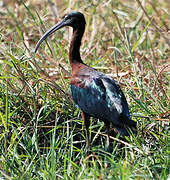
(86, 119)
(108, 136)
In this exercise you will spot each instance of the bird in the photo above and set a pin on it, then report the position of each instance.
(95, 93)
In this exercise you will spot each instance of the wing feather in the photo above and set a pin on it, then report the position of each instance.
(102, 98)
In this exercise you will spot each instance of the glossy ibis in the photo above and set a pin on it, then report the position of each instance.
(96, 94)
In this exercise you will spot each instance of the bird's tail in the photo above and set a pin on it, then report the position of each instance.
(128, 127)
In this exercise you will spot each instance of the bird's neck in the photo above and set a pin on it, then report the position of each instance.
(74, 51)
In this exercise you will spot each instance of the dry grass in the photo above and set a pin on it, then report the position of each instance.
(40, 130)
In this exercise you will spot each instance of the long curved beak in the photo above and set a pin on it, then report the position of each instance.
(49, 32)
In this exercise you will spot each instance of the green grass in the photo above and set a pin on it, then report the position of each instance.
(41, 131)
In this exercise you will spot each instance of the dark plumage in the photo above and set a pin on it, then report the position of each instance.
(95, 93)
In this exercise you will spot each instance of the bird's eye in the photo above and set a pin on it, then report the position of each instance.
(67, 17)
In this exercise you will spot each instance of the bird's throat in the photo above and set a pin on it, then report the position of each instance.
(74, 51)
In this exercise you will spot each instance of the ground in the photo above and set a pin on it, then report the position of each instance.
(41, 132)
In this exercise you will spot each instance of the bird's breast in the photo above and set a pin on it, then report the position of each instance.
(81, 81)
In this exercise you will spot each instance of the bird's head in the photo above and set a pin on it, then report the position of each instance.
(75, 20)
